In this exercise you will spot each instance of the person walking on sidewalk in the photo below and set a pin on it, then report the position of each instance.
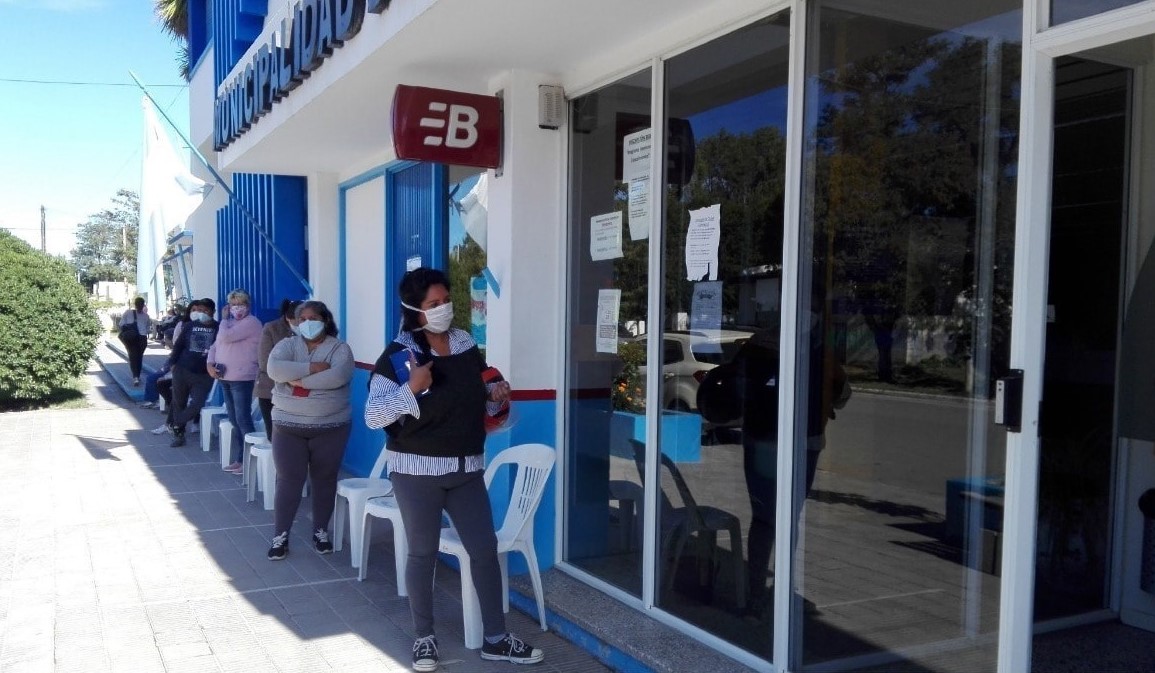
(134, 335)
(272, 334)
(312, 417)
(232, 361)
(427, 391)
(191, 382)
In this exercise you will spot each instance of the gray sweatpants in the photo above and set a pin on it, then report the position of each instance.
(462, 494)
(315, 453)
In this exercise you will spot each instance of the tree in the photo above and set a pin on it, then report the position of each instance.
(106, 243)
(48, 331)
(173, 17)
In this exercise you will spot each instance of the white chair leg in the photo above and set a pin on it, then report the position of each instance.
(226, 441)
(268, 480)
(535, 577)
(339, 522)
(470, 607)
(400, 557)
(356, 513)
(362, 558)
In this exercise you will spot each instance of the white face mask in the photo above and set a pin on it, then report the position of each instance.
(310, 329)
(197, 316)
(437, 319)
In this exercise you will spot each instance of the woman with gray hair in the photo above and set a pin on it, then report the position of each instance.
(311, 422)
(232, 361)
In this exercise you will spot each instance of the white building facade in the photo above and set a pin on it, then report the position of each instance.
(928, 224)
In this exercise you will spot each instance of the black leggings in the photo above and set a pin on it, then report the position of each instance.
(315, 453)
(135, 348)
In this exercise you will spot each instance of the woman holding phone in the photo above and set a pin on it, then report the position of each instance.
(427, 393)
(312, 417)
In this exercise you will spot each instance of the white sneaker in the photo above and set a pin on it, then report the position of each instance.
(161, 429)
(193, 428)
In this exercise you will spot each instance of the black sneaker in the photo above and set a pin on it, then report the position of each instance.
(425, 654)
(511, 648)
(321, 541)
(177, 437)
(280, 548)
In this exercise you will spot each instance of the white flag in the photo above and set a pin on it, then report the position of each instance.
(169, 193)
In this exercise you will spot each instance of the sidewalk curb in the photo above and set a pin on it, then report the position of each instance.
(117, 374)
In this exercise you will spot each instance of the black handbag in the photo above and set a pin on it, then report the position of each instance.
(129, 332)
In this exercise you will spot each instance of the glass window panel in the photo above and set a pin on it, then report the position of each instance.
(605, 389)
(467, 210)
(1063, 11)
(906, 260)
(726, 156)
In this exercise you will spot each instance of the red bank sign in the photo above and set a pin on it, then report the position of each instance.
(447, 127)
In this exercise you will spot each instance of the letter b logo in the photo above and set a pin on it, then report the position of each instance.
(462, 131)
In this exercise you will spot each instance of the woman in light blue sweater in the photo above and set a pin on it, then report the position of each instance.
(311, 421)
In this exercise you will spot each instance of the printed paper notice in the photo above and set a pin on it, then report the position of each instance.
(607, 328)
(639, 209)
(413, 263)
(606, 236)
(702, 239)
(706, 313)
(636, 150)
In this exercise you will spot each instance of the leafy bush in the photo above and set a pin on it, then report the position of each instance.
(48, 331)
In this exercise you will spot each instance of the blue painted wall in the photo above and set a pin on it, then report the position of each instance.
(277, 203)
(235, 25)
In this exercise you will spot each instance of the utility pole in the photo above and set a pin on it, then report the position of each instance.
(43, 232)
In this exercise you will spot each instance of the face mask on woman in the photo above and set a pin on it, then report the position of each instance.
(437, 319)
(310, 329)
(198, 316)
(238, 312)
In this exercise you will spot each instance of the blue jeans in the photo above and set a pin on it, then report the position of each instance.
(239, 406)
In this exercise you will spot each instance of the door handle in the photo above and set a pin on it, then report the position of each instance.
(1009, 401)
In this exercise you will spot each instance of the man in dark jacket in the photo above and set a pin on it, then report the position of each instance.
(191, 382)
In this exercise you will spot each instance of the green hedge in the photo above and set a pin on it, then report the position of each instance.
(48, 331)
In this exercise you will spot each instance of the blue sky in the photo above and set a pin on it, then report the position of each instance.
(70, 147)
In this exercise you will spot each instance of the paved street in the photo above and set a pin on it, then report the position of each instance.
(122, 554)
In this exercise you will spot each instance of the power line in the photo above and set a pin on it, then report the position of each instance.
(68, 83)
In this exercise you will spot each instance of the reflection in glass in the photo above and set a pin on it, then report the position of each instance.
(603, 520)
(726, 157)
(908, 214)
(467, 210)
(1063, 11)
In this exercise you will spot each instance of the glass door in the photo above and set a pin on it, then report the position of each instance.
(904, 303)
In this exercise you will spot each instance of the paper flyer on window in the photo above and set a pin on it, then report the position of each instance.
(706, 313)
(636, 150)
(607, 328)
(606, 236)
(702, 239)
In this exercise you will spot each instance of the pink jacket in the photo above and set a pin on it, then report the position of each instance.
(236, 348)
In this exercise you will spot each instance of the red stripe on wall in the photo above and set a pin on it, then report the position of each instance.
(365, 365)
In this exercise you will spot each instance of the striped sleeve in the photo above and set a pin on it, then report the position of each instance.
(388, 402)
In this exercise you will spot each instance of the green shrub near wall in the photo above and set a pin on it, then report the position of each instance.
(48, 331)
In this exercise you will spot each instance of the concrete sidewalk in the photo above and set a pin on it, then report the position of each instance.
(122, 554)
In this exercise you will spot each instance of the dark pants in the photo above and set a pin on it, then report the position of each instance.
(463, 496)
(164, 389)
(135, 348)
(267, 414)
(313, 452)
(760, 463)
(239, 407)
(189, 392)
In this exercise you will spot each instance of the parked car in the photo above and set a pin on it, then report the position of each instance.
(686, 357)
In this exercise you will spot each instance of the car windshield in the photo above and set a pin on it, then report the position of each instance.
(713, 357)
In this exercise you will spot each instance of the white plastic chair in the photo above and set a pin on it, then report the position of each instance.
(225, 434)
(265, 473)
(208, 414)
(534, 463)
(259, 439)
(384, 507)
(352, 494)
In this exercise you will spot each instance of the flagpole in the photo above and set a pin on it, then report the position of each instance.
(252, 220)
